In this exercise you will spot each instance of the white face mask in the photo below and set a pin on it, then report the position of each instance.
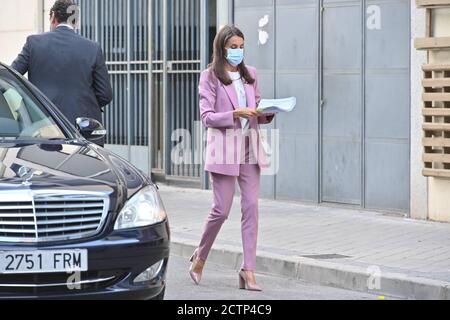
(235, 56)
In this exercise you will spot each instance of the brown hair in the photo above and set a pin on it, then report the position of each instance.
(220, 56)
(63, 10)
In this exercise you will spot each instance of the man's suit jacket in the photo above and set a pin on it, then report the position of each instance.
(217, 105)
(69, 69)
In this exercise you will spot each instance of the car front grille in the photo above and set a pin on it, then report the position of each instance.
(51, 216)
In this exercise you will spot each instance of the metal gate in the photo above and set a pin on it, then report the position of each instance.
(156, 93)
(176, 64)
(122, 29)
(348, 140)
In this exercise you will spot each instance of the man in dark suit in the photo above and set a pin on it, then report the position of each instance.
(69, 69)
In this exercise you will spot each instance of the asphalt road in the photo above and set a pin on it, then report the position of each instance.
(221, 283)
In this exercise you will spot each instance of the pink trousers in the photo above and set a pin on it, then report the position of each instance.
(224, 189)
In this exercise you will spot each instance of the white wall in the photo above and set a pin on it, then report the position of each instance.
(18, 19)
(223, 13)
(47, 5)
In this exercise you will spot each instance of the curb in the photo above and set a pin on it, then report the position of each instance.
(323, 273)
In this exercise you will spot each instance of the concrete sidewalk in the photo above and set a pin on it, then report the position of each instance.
(345, 248)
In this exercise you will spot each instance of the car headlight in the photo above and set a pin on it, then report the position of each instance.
(144, 209)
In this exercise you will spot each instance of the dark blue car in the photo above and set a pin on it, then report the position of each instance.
(76, 221)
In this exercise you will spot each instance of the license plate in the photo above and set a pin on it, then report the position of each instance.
(43, 261)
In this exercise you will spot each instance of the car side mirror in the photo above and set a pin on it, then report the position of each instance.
(90, 129)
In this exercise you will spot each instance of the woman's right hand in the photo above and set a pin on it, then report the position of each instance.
(245, 113)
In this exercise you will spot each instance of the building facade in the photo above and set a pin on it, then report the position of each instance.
(355, 138)
(18, 20)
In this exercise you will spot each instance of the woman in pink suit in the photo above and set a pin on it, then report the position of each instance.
(229, 96)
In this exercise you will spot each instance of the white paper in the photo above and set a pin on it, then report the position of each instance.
(277, 105)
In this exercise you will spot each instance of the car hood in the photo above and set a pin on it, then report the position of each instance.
(78, 167)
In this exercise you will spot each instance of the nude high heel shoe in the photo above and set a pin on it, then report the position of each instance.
(196, 277)
(245, 285)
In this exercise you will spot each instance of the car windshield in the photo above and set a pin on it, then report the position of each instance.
(22, 116)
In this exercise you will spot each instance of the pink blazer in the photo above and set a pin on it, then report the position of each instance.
(217, 104)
